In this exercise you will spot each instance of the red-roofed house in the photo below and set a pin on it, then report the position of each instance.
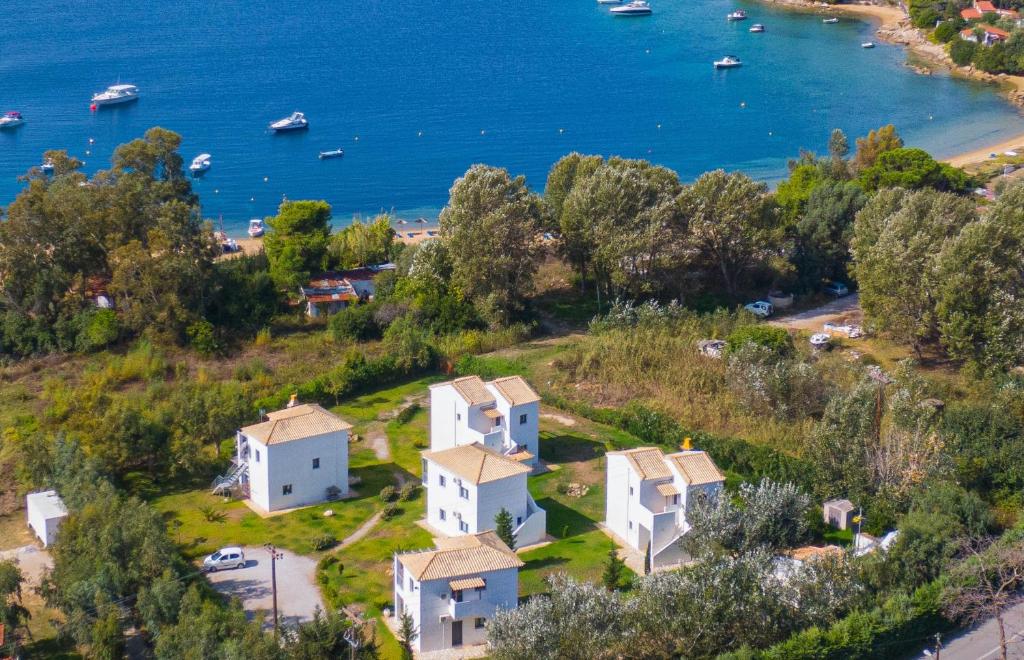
(990, 34)
(332, 291)
(970, 14)
(985, 7)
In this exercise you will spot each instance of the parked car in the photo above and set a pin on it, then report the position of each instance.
(837, 289)
(761, 308)
(232, 557)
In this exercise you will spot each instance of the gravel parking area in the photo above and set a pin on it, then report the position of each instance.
(297, 593)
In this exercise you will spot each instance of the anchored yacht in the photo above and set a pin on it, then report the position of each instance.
(200, 164)
(11, 119)
(728, 62)
(293, 122)
(116, 94)
(635, 8)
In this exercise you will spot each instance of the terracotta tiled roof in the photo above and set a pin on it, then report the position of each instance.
(647, 461)
(476, 464)
(984, 6)
(295, 423)
(471, 389)
(991, 29)
(814, 551)
(461, 556)
(467, 583)
(970, 14)
(492, 413)
(667, 489)
(515, 390)
(696, 467)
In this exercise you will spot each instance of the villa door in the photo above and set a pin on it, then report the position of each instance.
(456, 633)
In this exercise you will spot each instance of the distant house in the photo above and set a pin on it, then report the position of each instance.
(298, 457)
(45, 512)
(838, 513)
(452, 591)
(649, 494)
(467, 486)
(970, 14)
(989, 34)
(985, 7)
(502, 415)
(330, 292)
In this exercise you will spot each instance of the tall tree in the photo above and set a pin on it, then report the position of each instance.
(875, 143)
(912, 169)
(491, 226)
(296, 244)
(503, 527)
(823, 233)
(733, 226)
(364, 244)
(614, 567)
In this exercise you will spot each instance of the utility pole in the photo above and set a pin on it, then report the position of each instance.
(274, 556)
(938, 645)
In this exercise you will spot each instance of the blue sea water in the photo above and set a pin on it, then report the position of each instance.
(415, 92)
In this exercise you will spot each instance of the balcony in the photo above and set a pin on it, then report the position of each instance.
(471, 607)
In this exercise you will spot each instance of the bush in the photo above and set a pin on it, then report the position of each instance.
(98, 329)
(962, 51)
(390, 511)
(777, 340)
(387, 494)
(406, 414)
(212, 514)
(354, 323)
(327, 562)
(409, 491)
(323, 542)
(203, 338)
(946, 31)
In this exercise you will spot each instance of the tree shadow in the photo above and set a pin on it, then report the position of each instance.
(563, 522)
(569, 448)
(545, 562)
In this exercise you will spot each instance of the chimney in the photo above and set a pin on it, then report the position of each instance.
(294, 400)
(687, 444)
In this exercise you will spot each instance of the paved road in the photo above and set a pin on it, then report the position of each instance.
(297, 593)
(813, 319)
(982, 642)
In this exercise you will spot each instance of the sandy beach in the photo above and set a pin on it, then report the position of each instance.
(979, 155)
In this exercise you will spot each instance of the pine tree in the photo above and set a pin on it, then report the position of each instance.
(503, 528)
(612, 570)
(407, 634)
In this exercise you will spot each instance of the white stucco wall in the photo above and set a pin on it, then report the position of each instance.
(479, 510)
(292, 463)
(430, 601)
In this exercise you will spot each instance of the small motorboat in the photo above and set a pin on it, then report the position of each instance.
(868, 44)
(255, 228)
(728, 62)
(200, 164)
(334, 153)
(830, 20)
(11, 119)
(820, 340)
(738, 15)
(608, 2)
(293, 122)
(46, 167)
(115, 95)
(756, 27)
(634, 8)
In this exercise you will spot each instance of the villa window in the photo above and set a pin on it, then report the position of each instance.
(441, 481)
(458, 417)
(399, 574)
(522, 418)
(675, 499)
(257, 455)
(630, 490)
(442, 514)
(519, 521)
(463, 527)
(480, 622)
(316, 463)
(411, 584)
(631, 524)
(463, 492)
(286, 489)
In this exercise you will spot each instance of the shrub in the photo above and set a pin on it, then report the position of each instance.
(355, 323)
(409, 491)
(946, 31)
(99, 328)
(962, 52)
(390, 511)
(212, 514)
(777, 340)
(387, 494)
(203, 338)
(406, 414)
(323, 542)
(327, 562)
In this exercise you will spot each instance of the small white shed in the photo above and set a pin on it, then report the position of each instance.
(46, 511)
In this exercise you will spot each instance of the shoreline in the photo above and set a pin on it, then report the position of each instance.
(893, 26)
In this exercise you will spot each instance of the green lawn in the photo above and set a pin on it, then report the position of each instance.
(236, 524)
(408, 440)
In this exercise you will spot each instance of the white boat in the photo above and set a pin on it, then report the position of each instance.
(116, 94)
(334, 153)
(728, 62)
(634, 8)
(200, 164)
(738, 15)
(756, 27)
(46, 167)
(608, 2)
(868, 44)
(11, 119)
(255, 228)
(293, 122)
(830, 20)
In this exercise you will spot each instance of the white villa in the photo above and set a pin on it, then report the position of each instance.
(452, 591)
(649, 493)
(466, 486)
(298, 457)
(502, 415)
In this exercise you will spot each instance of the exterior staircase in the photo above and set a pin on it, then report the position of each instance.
(223, 484)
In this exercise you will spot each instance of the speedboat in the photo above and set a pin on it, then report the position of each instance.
(334, 153)
(11, 119)
(200, 164)
(293, 122)
(738, 15)
(116, 94)
(830, 20)
(757, 27)
(728, 62)
(255, 228)
(634, 8)
(608, 2)
(868, 44)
